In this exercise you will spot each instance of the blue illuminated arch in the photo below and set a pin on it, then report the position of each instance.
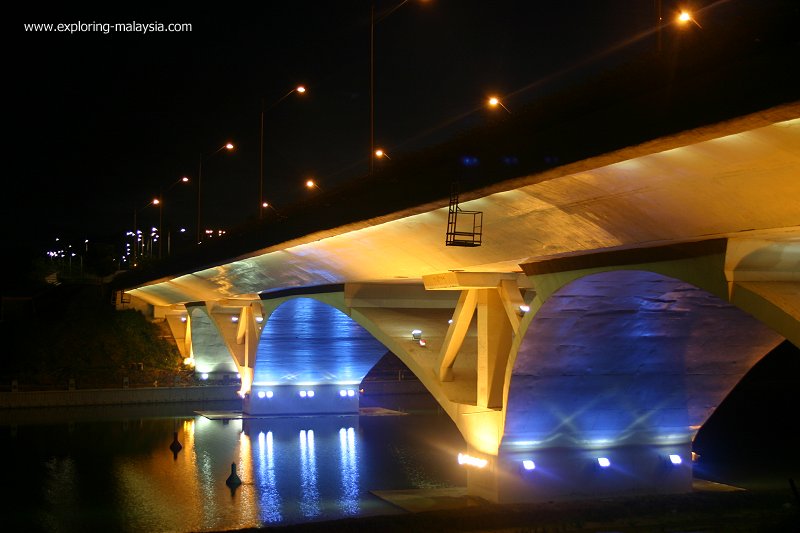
(628, 357)
(306, 341)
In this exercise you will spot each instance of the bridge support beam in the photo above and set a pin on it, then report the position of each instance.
(498, 303)
(239, 323)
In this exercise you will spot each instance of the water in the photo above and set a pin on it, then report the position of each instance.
(111, 469)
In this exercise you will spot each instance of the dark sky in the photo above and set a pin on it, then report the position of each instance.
(103, 121)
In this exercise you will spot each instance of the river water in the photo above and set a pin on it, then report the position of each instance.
(113, 469)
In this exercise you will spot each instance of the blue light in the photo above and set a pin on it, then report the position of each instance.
(342, 393)
(527, 464)
(310, 501)
(469, 161)
(305, 341)
(348, 463)
(675, 459)
(603, 462)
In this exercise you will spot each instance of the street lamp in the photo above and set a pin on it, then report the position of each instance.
(226, 146)
(267, 205)
(372, 22)
(300, 89)
(136, 246)
(684, 17)
(494, 102)
(160, 202)
(311, 184)
(379, 153)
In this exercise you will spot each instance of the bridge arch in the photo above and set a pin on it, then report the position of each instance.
(355, 332)
(759, 277)
(628, 356)
(626, 360)
(306, 340)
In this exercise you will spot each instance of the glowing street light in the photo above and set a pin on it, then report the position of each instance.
(494, 102)
(267, 205)
(381, 154)
(373, 20)
(311, 184)
(300, 89)
(227, 146)
(137, 247)
(684, 17)
(159, 203)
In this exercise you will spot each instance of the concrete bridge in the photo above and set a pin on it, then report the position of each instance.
(613, 304)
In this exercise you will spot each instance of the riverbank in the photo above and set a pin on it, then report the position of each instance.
(710, 507)
(123, 396)
(177, 394)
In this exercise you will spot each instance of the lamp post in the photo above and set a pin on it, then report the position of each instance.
(311, 184)
(160, 202)
(372, 22)
(684, 17)
(226, 146)
(300, 89)
(157, 201)
(494, 102)
(136, 247)
(371, 86)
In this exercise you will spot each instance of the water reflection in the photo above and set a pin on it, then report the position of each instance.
(122, 475)
(309, 504)
(270, 497)
(347, 461)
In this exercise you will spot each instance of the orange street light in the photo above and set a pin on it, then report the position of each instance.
(311, 184)
(300, 89)
(494, 102)
(684, 17)
(227, 146)
(157, 201)
(380, 154)
(267, 205)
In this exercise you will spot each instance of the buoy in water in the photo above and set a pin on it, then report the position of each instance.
(233, 480)
(175, 446)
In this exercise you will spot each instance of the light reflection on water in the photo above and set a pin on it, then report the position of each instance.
(120, 475)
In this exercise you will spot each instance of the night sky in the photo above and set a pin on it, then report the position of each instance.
(104, 121)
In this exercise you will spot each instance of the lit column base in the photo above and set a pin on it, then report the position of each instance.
(301, 400)
(574, 474)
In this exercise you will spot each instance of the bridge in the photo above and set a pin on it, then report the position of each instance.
(612, 304)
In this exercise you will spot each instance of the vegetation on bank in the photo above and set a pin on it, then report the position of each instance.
(72, 333)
